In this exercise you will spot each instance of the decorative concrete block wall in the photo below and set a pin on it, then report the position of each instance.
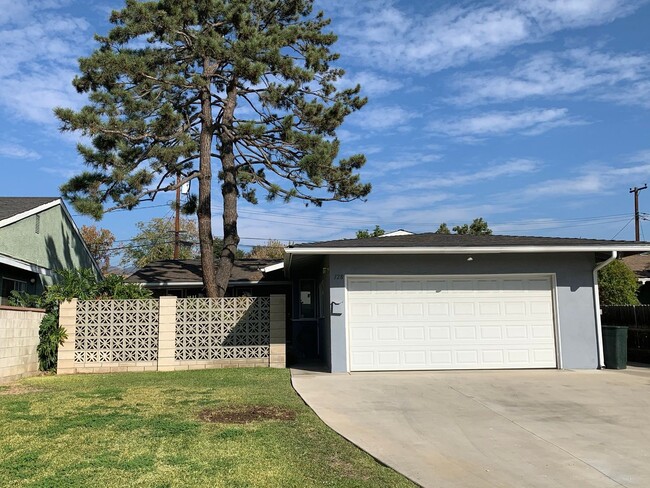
(18, 342)
(170, 333)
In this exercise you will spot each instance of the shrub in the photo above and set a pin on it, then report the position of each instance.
(617, 284)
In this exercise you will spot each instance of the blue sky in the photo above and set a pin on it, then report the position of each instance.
(534, 115)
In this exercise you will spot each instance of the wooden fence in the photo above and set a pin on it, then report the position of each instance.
(637, 319)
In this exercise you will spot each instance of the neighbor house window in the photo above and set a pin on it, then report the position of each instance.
(307, 298)
(9, 285)
(37, 224)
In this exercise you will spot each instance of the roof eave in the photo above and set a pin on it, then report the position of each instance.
(468, 249)
(272, 267)
(28, 213)
(24, 265)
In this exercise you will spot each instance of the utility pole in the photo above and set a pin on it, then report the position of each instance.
(177, 220)
(636, 190)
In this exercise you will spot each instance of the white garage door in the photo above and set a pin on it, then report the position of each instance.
(486, 322)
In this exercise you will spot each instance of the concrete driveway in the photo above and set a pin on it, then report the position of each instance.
(494, 428)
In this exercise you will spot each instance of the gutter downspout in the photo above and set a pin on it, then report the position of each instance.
(599, 325)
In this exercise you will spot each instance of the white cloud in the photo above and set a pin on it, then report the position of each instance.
(407, 159)
(527, 122)
(382, 118)
(41, 45)
(372, 84)
(549, 74)
(16, 151)
(33, 96)
(594, 179)
(64, 172)
(434, 181)
(13, 11)
(402, 37)
(509, 168)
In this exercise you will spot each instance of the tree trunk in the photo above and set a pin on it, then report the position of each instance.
(204, 209)
(228, 190)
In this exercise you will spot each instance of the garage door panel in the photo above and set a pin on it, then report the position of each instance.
(489, 309)
(413, 333)
(360, 309)
(492, 357)
(434, 285)
(490, 332)
(388, 334)
(388, 359)
(468, 323)
(415, 357)
(439, 332)
(462, 333)
(463, 308)
(515, 308)
(438, 309)
(467, 358)
(412, 285)
(387, 310)
(518, 356)
(543, 308)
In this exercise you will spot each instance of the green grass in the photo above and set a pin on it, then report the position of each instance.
(142, 429)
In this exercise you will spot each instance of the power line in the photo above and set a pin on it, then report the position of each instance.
(127, 210)
(628, 223)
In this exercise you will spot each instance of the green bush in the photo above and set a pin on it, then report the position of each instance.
(617, 284)
(73, 283)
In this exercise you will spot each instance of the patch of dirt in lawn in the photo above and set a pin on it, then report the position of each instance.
(17, 390)
(245, 414)
(347, 468)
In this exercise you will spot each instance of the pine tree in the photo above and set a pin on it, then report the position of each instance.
(179, 86)
(478, 227)
(365, 233)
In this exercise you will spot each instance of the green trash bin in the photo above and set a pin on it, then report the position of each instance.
(615, 346)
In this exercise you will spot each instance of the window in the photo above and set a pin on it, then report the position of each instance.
(9, 285)
(37, 224)
(307, 298)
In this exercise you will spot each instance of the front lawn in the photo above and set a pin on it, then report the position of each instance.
(174, 429)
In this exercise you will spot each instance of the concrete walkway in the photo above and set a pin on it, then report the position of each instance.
(494, 429)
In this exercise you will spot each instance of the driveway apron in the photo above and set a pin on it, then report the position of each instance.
(544, 428)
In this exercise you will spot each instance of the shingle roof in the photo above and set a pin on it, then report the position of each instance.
(454, 240)
(640, 264)
(10, 206)
(189, 271)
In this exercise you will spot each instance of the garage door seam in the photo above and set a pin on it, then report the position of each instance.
(536, 435)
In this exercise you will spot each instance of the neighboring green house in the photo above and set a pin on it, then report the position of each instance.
(37, 237)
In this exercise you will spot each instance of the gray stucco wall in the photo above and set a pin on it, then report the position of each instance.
(574, 280)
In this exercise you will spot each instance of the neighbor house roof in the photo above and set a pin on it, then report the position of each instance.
(640, 264)
(184, 272)
(16, 208)
(398, 232)
(454, 243)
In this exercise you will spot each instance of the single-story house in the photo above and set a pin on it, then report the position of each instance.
(435, 301)
(183, 278)
(640, 264)
(250, 277)
(37, 237)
